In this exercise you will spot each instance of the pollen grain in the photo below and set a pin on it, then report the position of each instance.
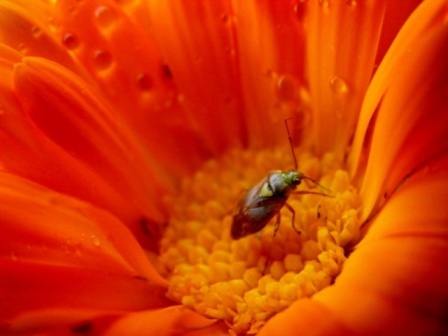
(245, 282)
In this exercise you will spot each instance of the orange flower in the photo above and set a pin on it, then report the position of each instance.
(128, 129)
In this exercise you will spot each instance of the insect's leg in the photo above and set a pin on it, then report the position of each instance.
(290, 208)
(276, 227)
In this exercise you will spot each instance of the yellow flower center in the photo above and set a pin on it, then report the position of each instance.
(246, 281)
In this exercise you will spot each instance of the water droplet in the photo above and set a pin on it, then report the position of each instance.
(167, 103)
(225, 18)
(70, 41)
(23, 49)
(144, 82)
(338, 85)
(102, 59)
(105, 16)
(180, 98)
(270, 74)
(286, 87)
(351, 2)
(53, 24)
(231, 52)
(95, 240)
(167, 71)
(36, 31)
(300, 10)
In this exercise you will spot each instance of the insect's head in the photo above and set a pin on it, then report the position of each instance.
(293, 177)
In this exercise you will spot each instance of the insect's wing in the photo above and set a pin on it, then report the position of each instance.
(255, 216)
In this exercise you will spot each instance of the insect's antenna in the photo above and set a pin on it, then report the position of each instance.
(316, 183)
(290, 142)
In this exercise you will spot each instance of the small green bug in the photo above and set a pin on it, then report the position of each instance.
(262, 202)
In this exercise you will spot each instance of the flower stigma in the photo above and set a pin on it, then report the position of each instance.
(246, 281)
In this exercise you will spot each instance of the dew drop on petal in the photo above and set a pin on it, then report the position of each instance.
(180, 98)
(70, 41)
(102, 59)
(95, 241)
(351, 2)
(231, 52)
(105, 16)
(52, 24)
(225, 18)
(338, 85)
(144, 82)
(36, 31)
(300, 10)
(269, 73)
(22, 48)
(286, 88)
(166, 71)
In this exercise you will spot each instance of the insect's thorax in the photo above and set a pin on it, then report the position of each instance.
(280, 183)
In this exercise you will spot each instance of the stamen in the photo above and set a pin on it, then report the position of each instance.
(245, 282)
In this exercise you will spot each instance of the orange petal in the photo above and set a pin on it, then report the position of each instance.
(61, 322)
(419, 206)
(28, 153)
(429, 15)
(342, 40)
(197, 41)
(55, 242)
(412, 122)
(124, 61)
(395, 280)
(270, 50)
(397, 12)
(72, 115)
(305, 317)
(175, 320)
(33, 294)
(93, 233)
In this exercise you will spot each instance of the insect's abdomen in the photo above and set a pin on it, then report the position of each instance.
(254, 218)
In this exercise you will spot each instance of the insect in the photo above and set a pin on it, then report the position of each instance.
(261, 203)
